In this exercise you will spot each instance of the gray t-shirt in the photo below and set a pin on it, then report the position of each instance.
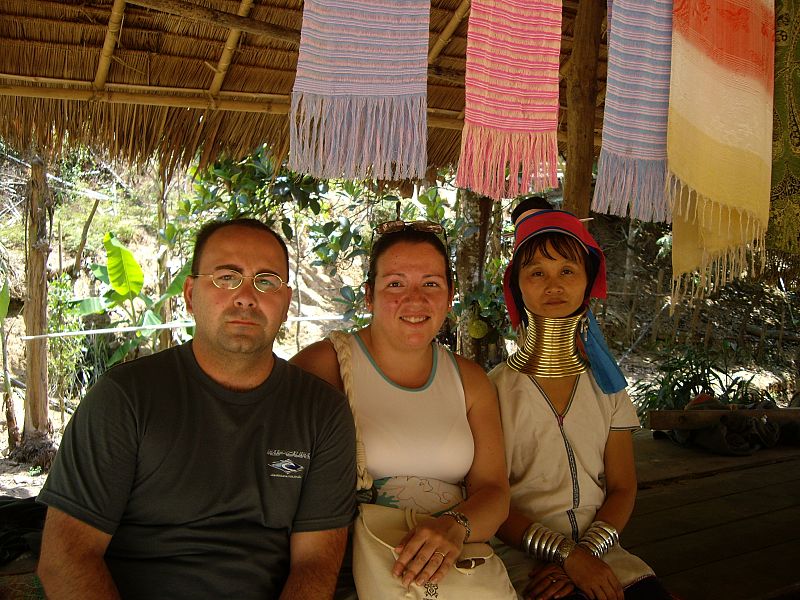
(200, 487)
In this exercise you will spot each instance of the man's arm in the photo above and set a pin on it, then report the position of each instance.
(72, 564)
(316, 557)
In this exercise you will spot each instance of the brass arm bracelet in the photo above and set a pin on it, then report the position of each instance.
(462, 520)
(599, 538)
(546, 545)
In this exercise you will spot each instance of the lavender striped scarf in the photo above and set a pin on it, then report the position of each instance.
(631, 171)
(360, 96)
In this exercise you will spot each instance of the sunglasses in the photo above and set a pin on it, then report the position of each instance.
(400, 225)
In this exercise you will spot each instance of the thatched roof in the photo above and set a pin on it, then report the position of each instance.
(174, 79)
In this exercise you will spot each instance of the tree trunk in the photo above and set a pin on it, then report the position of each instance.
(36, 444)
(14, 439)
(581, 99)
(165, 335)
(470, 262)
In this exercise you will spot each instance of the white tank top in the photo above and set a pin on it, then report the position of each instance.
(421, 432)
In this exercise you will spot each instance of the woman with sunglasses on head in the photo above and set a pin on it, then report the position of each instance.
(428, 418)
(567, 422)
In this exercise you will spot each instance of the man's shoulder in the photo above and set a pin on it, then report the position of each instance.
(147, 366)
(310, 384)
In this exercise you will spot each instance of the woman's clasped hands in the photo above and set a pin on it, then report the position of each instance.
(427, 552)
(548, 581)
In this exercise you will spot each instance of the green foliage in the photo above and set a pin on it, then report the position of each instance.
(123, 280)
(124, 273)
(254, 187)
(682, 377)
(485, 306)
(65, 354)
(664, 245)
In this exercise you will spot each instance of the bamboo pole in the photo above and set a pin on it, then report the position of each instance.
(195, 12)
(227, 54)
(276, 104)
(199, 101)
(447, 32)
(112, 36)
(135, 87)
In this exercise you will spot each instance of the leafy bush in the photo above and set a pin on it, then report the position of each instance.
(682, 377)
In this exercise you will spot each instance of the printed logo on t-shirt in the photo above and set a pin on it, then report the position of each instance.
(287, 467)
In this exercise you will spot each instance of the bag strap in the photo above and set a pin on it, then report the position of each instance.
(341, 344)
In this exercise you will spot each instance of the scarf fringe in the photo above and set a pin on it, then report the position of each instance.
(716, 268)
(491, 161)
(631, 184)
(357, 137)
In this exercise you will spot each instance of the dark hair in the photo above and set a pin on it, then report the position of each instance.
(412, 236)
(530, 203)
(209, 229)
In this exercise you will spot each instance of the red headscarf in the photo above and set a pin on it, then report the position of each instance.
(549, 221)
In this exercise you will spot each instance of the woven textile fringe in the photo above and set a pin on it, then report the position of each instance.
(508, 143)
(632, 187)
(356, 137)
(359, 102)
(632, 167)
(719, 268)
(719, 140)
(487, 155)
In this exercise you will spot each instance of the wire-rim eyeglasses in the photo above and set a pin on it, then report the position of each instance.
(228, 279)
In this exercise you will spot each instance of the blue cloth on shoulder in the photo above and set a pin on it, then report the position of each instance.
(605, 369)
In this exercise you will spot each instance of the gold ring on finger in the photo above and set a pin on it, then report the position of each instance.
(442, 554)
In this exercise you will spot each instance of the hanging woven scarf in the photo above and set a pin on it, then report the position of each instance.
(511, 84)
(719, 138)
(360, 95)
(784, 223)
(632, 167)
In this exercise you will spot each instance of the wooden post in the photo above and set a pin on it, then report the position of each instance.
(581, 101)
(657, 307)
(40, 206)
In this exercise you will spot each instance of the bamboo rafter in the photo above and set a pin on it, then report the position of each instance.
(112, 36)
(219, 17)
(227, 53)
(447, 32)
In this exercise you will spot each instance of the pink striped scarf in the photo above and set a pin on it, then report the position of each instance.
(719, 136)
(511, 111)
(359, 100)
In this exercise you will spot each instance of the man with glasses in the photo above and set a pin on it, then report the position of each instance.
(209, 470)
